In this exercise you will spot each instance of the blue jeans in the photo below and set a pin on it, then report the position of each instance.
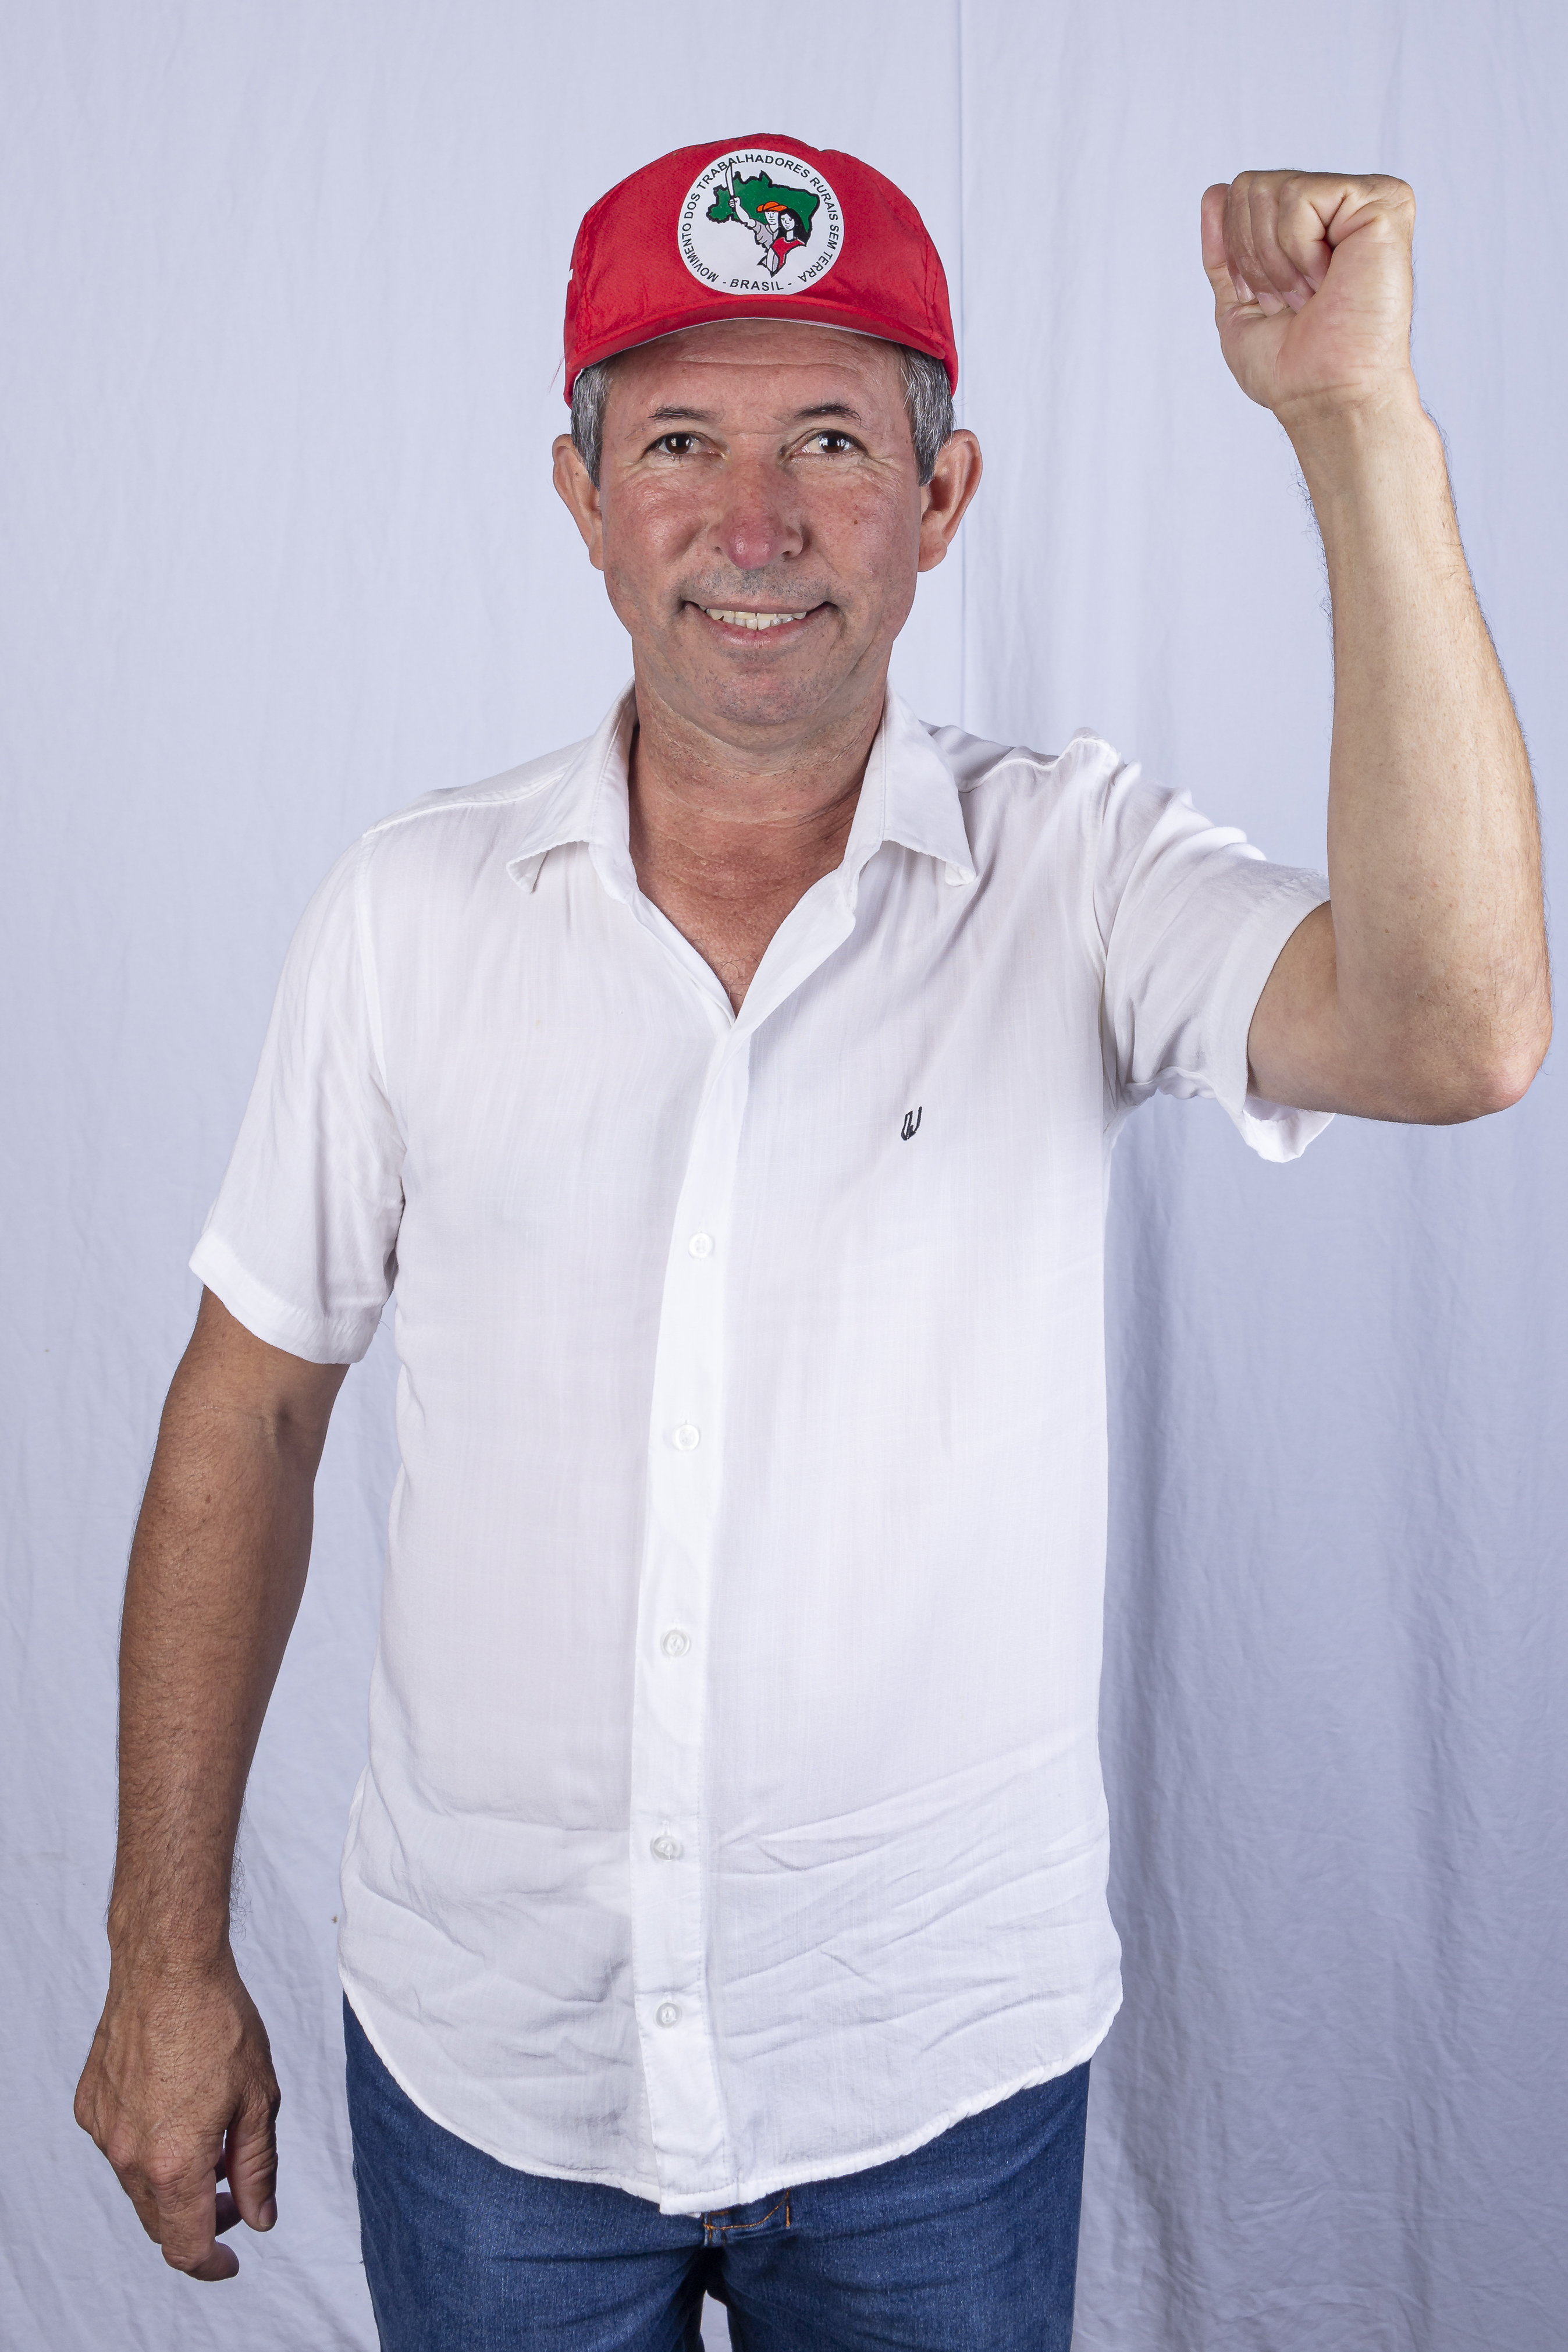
(971, 2244)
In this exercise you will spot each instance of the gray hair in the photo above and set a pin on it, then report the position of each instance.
(928, 403)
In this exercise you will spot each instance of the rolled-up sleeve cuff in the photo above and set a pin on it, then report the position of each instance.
(1275, 1132)
(340, 1338)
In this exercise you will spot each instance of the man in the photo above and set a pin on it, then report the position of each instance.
(727, 1100)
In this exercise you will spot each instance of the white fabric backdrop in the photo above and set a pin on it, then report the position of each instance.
(281, 288)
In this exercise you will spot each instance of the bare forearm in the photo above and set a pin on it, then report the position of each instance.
(1433, 851)
(218, 1568)
(179, 2090)
(217, 1574)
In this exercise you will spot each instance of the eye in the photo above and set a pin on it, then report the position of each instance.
(828, 443)
(676, 445)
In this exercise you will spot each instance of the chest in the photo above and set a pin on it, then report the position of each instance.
(730, 934)
(730, 921)
(929, 1068)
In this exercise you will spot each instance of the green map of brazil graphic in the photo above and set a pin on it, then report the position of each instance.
(779, 218)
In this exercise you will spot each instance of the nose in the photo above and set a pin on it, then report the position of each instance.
(758, 522)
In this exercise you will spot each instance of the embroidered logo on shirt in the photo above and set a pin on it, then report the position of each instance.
(911, 1123)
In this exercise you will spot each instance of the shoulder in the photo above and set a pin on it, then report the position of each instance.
(1087, 796)
(1012, 779)
(463, 822)
(1033, 812)
(447, 857)
(491, 798)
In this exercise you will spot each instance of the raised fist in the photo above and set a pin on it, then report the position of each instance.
(1312, 280)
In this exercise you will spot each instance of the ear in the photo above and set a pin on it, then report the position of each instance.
(576, 487)
(954, 481)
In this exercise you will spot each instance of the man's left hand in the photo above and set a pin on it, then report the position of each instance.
(1312, 280)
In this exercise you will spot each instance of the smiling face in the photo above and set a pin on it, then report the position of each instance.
(761, 521)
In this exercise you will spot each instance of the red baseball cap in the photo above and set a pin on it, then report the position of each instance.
(754, 228)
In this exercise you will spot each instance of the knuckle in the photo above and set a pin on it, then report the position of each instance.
(120, 2149)
(164, 2171)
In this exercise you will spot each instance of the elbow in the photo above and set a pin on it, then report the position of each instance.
(1447, 1055)
(1505, 1075)
(1510, 1081)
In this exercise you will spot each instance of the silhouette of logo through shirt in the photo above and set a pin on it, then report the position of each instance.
(911, 1123)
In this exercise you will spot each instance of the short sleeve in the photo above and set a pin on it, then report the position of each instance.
(301, 1242)
(1192, 918)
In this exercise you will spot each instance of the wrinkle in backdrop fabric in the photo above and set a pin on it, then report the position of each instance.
(283, 296)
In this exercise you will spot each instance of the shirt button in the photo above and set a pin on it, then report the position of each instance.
(675, 1643)
(686, 1438)
(701, 1245)
(667, 2013)
(666, 1847)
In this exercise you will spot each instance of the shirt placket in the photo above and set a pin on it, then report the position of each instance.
(674, 1689)
(685, 1464)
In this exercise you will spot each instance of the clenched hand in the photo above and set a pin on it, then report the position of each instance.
(179, 2093)
(1313, 284)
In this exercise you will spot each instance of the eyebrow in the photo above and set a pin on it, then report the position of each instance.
(677, 413)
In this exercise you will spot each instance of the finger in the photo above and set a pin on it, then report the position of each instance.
(143, 2202)
(1233, 295)
(1221, 257)
(250, 2156)
(1250, 227)
(1211, 235)
(1238, 251)
(186, 2224)
(1316, 210)
(1306, 206)
(183, 2220)
(119, 2146)
(223, 2263)
(228, 2212)
(1277, 273)
(1247, 266)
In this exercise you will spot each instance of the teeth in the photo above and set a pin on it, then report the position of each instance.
(750, 620)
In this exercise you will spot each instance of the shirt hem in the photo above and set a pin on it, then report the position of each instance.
(743, 2190)
(768, 2184)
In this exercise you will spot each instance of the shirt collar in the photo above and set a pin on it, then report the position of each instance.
(908, 795)
(586, 801)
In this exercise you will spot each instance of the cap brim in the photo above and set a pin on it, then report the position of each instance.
(794, 309)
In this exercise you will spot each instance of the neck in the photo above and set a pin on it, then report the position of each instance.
(727, 836)
(753, 810)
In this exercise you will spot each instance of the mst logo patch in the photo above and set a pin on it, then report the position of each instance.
(756, 222)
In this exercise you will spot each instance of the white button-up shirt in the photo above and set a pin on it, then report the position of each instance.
(733, 1814)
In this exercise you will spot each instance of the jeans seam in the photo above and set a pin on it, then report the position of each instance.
(737, 2229)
